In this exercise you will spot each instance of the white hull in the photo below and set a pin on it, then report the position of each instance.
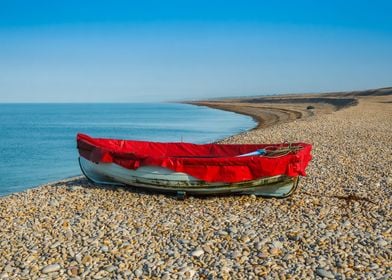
(163, 179)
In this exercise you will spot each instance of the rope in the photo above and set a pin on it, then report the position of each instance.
(282, 151)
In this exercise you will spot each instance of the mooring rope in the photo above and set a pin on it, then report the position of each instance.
(280, 152)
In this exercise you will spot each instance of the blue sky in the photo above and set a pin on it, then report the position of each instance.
(128, 51)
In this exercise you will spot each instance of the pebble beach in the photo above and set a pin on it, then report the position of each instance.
(337, 225)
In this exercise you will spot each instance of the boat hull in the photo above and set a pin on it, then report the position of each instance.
(165, 180)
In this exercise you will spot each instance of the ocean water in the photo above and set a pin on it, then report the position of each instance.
(37, 141)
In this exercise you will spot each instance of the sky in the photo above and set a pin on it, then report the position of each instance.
(150, 51)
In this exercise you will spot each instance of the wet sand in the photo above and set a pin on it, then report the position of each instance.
(337, 225)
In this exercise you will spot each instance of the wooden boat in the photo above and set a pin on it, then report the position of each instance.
(270, 170)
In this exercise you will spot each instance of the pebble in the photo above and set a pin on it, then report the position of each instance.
(54, 203)
(138, 272)
(382, 242)
(233, 230)
(55, 245)
(346, 224)
(374, 266)
(197, 253)
(110, 268)
(189, 273)
(277, 244)
(275, 251)
(236, 254)
(245, 239)
(72, 271)
(87, 259)
(104, 248)
(322, 225)
(74, 188)
(294, 236)
(68, 234)
(324, 273)
(51, 268)
(8, 268)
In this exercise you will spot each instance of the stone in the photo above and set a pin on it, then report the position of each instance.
(8, 268)
(104, 248)
(73, 271)
(74, 188)
(346, 224)
(275, 251)
(245, 239)
(236, 254)
(68, 234)
(294, 236)
(87, 260)
(189, 273)
(54, 203)
(197, 253)
(138, 272)
(233, 230)
(277, 244)
(381, 242)
(55, 245)
(110, 268)
(207, 248)
(322, 225)
(51, 268)
(324, 273)
(258, 246)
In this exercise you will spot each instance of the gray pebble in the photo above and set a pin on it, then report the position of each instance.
(324, 273)
(197, 253)
(138, 272)
(51, 268)
(110, 268)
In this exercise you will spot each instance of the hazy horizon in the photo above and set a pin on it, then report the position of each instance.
(94, 52)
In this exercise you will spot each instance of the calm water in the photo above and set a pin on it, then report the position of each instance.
(37, 141)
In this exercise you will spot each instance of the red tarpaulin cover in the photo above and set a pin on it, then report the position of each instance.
(208, 162)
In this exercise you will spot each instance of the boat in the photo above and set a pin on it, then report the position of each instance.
(268, 170)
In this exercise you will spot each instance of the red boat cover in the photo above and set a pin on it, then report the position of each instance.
(208, 162)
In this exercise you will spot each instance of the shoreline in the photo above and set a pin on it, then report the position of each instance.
(294, 103)
(269, 111)
(224, 104)
(259, 116)
(336, 225)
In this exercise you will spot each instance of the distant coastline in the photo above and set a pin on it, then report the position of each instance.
(274, 109)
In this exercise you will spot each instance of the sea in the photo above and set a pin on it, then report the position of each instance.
(38, 141)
